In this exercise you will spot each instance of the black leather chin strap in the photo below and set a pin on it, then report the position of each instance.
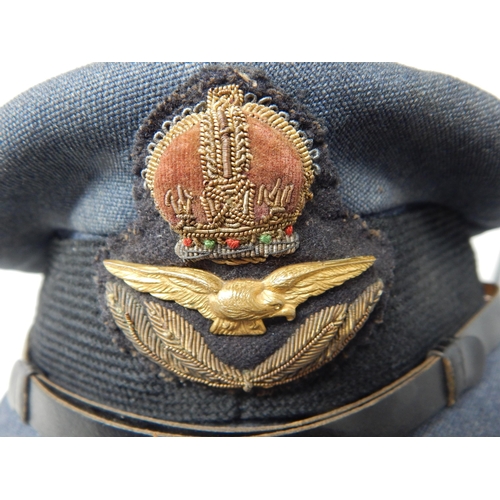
(395, 410)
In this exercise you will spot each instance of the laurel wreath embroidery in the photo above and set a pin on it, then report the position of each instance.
(173, 343)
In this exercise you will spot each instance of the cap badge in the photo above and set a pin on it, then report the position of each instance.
(231, 178)
(224, 182)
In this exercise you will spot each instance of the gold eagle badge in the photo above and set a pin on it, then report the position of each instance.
(237, 307)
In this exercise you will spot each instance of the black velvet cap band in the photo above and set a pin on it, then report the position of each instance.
(435, 292)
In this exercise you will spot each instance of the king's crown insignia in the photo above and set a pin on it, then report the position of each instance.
(231, 177)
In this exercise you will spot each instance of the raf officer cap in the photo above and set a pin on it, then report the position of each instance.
(263, 249)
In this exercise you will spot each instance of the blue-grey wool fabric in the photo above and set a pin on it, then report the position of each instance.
(418, 157)
(397, 136)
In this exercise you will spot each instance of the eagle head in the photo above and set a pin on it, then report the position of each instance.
(250, 299)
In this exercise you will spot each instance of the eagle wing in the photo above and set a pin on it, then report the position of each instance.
(191, 288)
(298, 282)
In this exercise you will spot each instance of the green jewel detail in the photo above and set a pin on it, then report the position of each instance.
(209, 244)
(265, 238)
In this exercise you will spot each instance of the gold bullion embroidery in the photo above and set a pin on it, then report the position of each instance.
(231, 178)
(238, 307)
(172, 342)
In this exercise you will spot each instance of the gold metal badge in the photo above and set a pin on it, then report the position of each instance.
(237, 307)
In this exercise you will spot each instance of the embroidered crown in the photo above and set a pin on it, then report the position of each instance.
(231, 177)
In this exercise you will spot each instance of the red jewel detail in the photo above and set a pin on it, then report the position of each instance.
(187, 242)
(232, 244)
(289, 230)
